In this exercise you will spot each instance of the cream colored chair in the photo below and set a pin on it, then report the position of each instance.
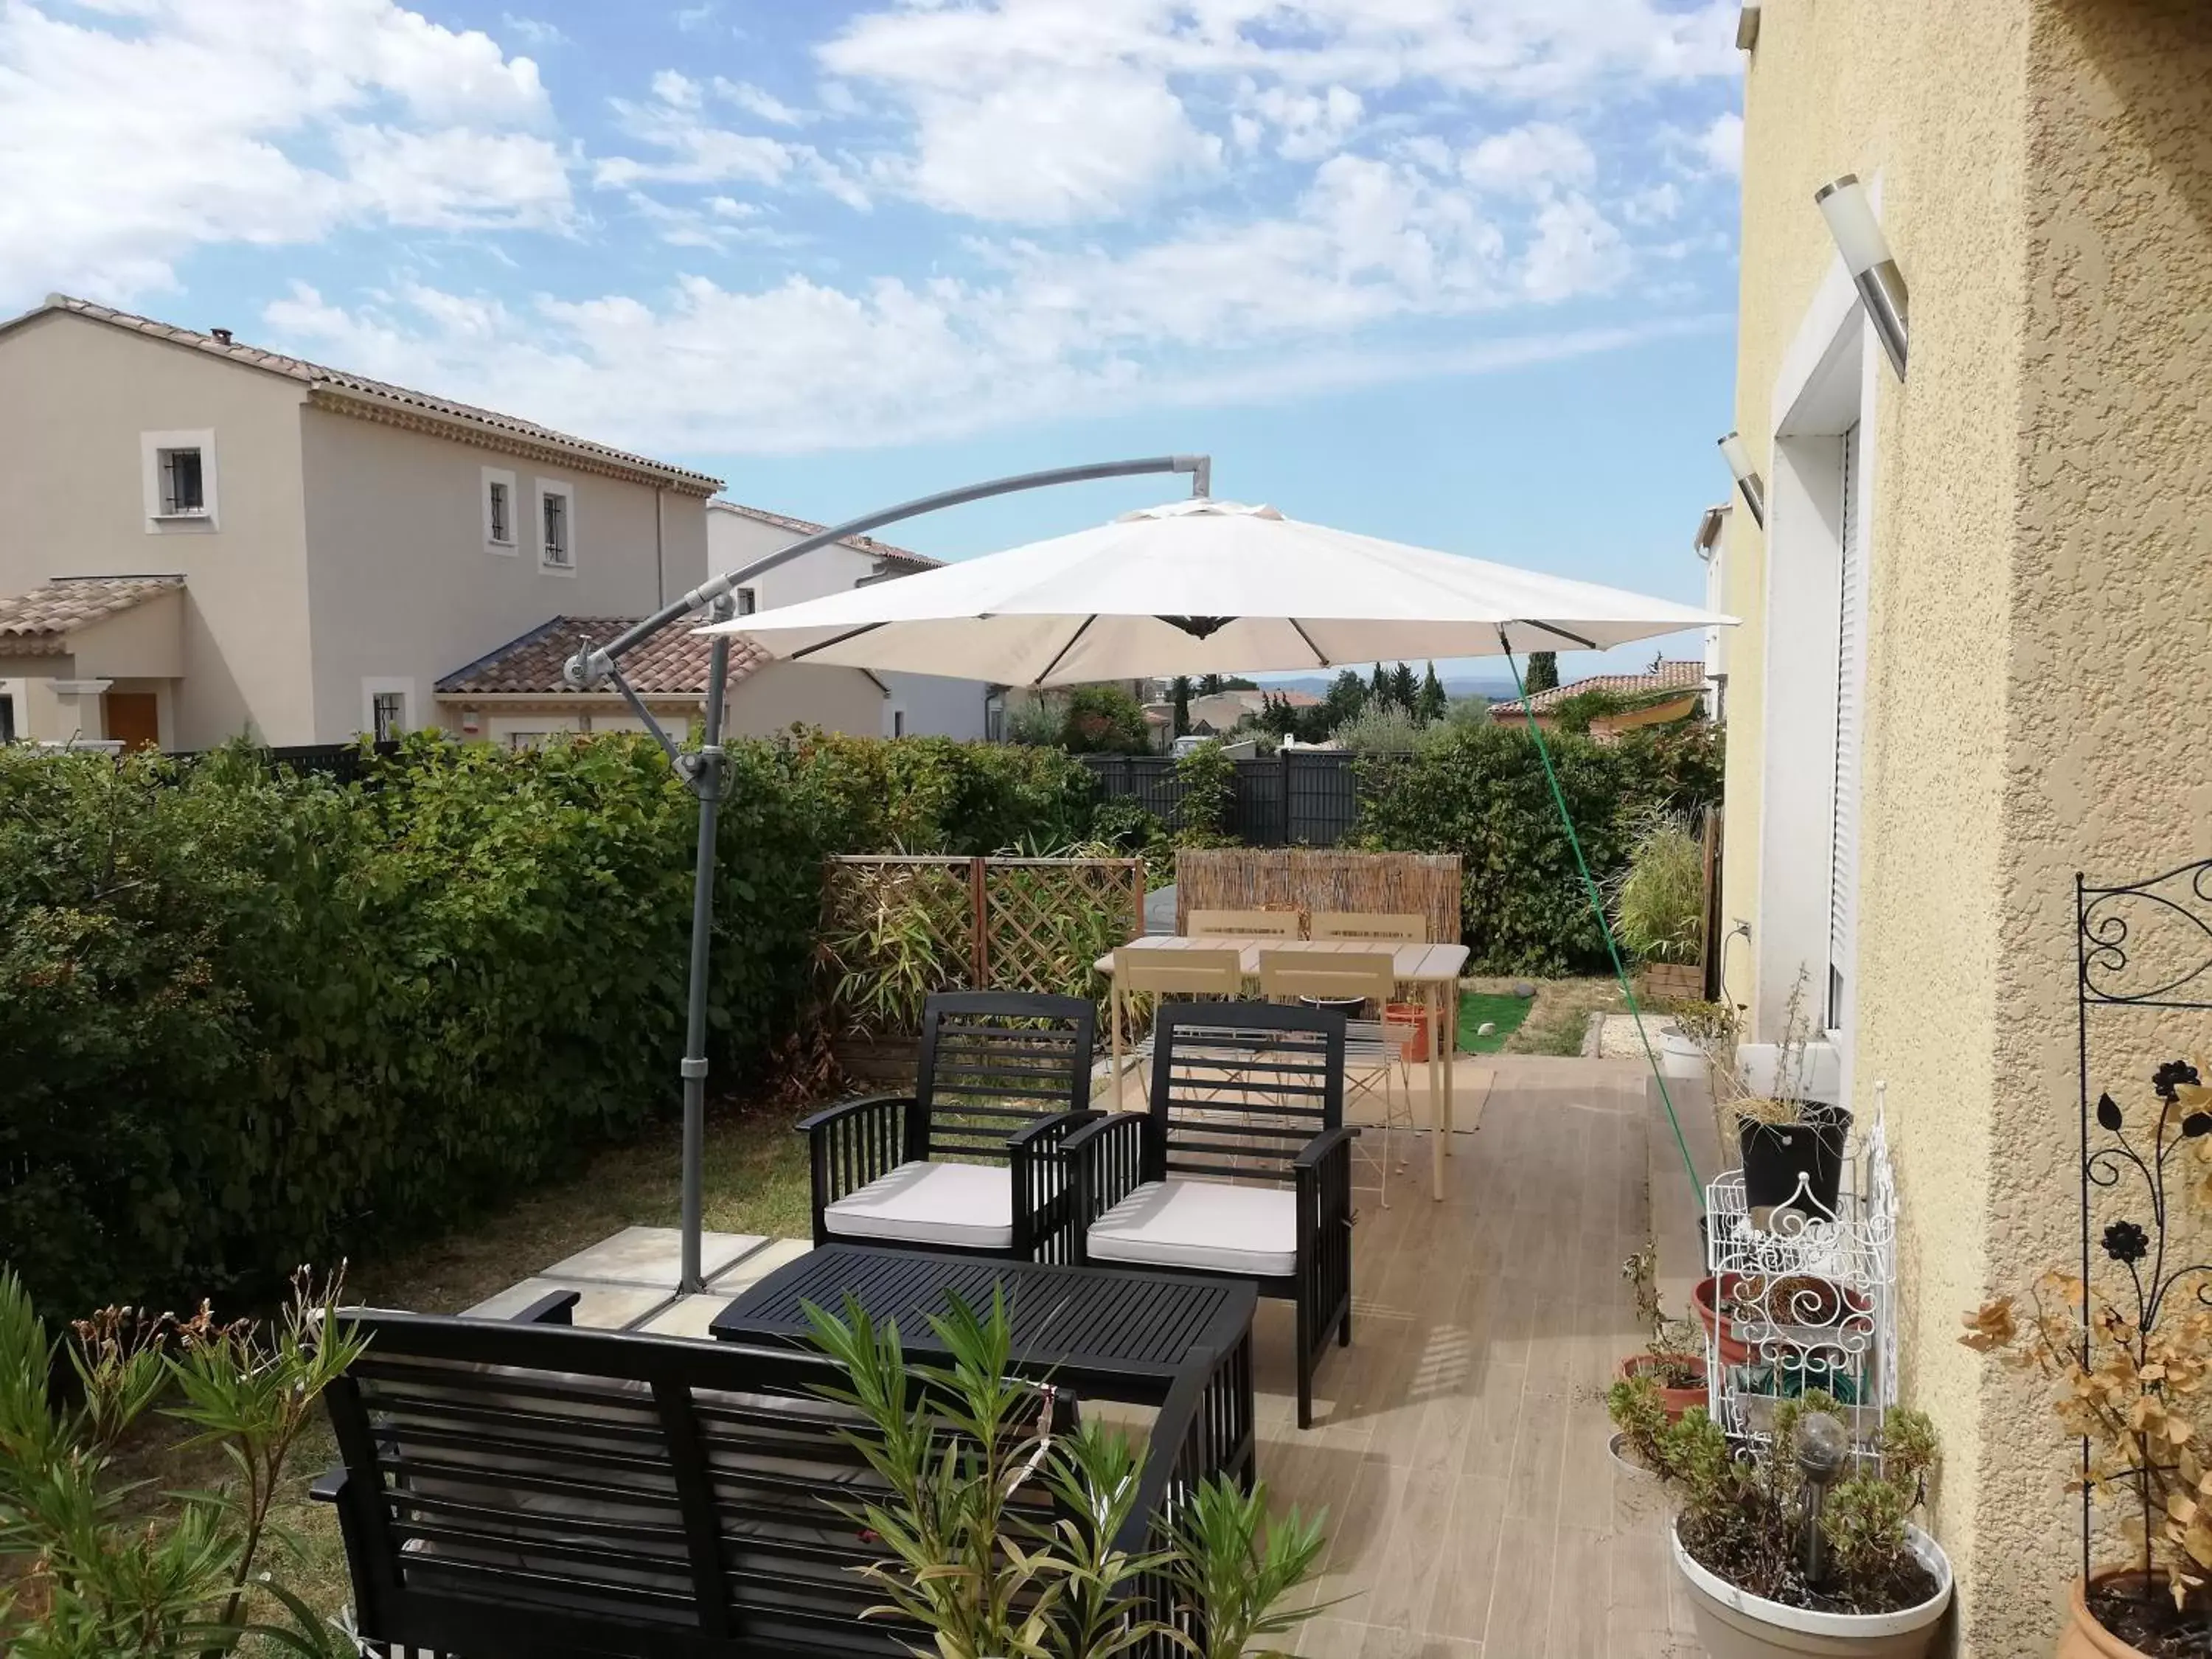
(1399, 927)
(1243, 924)
(1353, 980)
(1184, 975)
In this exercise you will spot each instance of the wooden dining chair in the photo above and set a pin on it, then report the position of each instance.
(1243, 924)
(1399, 927)
(1358, 984)
(1187, 975)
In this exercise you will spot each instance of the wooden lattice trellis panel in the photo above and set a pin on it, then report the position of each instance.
(895, 928)
(1046, 920)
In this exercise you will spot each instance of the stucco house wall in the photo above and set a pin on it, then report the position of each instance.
(935, 704)
(76, 397)
(404, 588)
(2038, 543)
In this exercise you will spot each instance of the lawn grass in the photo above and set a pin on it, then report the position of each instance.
(1500, 1009)
(1560, 1017)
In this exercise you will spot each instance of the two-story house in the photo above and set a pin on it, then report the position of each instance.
(913, 704)
(200, 538)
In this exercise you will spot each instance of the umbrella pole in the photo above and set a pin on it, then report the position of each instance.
(706, 782)
(1597, 910)
(703, 771)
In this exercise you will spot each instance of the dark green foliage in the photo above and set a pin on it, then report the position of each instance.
(1347, 696)
(1378, 686)
(1480, 791)
(1542, 672)
(1208, 777)
(1104, 719)
(1404, 689)
(1430, 704)
(249, 1020)
(1182, 695)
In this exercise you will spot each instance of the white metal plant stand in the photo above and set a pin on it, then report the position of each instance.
(1812, 1297)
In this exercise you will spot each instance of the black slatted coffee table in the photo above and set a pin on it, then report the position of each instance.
(1108, 1333)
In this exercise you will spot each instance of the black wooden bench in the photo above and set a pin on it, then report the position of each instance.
(526, 1489)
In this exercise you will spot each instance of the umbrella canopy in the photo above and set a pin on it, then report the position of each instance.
(1203, 588)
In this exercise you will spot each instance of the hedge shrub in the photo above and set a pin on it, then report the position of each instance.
(1480, 791)
(249, 1019)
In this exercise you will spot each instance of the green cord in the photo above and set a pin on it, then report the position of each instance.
(1597, 908)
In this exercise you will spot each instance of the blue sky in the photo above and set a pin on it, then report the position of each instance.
(1459, 272)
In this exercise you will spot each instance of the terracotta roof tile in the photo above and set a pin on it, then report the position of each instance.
(673, 663)
(802, 527)
(341, 382)
(1675, 673)
(42, 619)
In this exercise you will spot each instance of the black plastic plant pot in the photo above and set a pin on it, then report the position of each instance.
(1798, 1164)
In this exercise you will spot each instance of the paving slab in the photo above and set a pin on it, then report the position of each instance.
(654, 1256)
(600, 1307)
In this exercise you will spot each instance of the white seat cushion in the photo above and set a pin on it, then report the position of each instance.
(1246, 1230)
(967, 1206)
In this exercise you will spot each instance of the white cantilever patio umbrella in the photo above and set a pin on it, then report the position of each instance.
(1203, 588)
(1206, 586)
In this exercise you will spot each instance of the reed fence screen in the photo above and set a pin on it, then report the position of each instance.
(895, 928)
(1300, 879)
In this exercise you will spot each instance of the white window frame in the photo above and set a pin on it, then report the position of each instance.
(508, 547)
(385, 686)
(547, 489)
(160, 521)
(1831, 378)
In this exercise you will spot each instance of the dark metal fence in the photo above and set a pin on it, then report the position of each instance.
(346, 762)
(1300, 798)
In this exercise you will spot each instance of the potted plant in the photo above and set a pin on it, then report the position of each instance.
(1673, 1362)
(1659, 905)
(1791, 1146)
(1775, 1562)
(2130, 1358)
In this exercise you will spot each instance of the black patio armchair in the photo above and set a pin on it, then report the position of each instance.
(969, 1160)
(1240, 1166)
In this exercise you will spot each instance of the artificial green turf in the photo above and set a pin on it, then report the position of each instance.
(1478, 1007)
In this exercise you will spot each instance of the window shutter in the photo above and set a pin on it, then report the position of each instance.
(1851, 660)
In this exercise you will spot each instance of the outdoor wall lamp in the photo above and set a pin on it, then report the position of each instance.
(1709, 525)
(1866, 253)
(1739, 465)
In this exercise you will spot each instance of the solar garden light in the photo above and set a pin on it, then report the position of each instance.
(1746, 479)
(1823, 1447)
(1849, 212)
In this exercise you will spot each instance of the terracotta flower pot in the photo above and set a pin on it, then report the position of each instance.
(1677, 1400)
(2083, 1637)
(1734, 1349)
(1409, 1025)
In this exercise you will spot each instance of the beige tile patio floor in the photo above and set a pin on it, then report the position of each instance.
(1459, 1444)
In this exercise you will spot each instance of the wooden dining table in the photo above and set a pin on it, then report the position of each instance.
(1432, 970)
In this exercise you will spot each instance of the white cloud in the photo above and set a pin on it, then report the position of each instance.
(756, 101)
(1010, 102)
(122, 149)
(1082, 144)
(1532, 160)
(533, 30)
(679, 120)
(825, 369)
(1322, 294)
(1721, 144)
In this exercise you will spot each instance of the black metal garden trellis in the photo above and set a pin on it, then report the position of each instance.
(2125, 957)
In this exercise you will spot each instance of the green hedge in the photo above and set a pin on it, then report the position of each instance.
(1480, 792)
(249, 1019)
